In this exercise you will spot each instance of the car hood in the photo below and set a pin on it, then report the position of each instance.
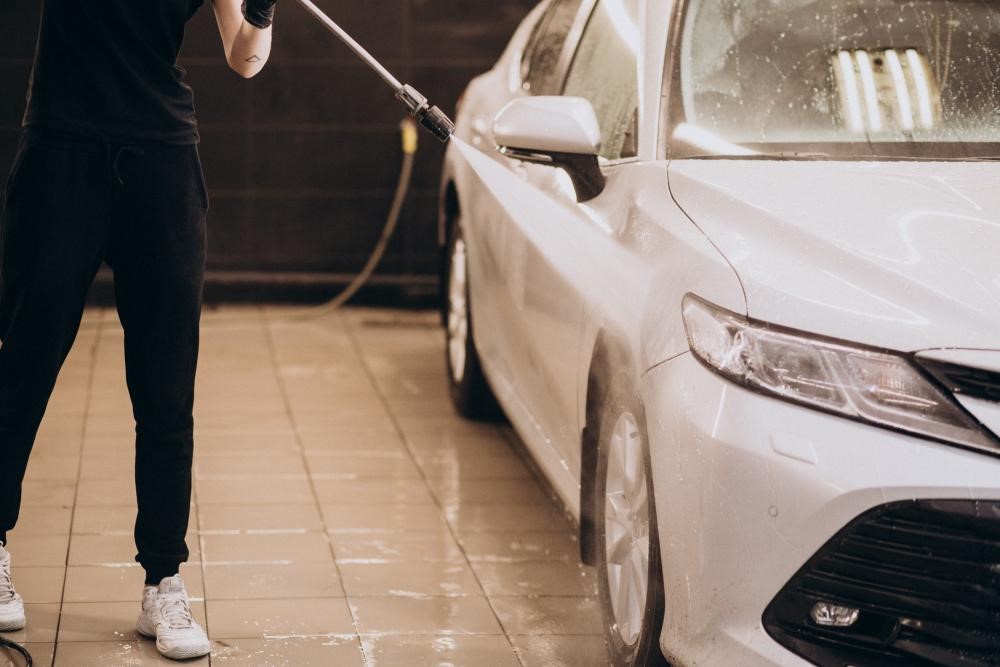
(901, 255)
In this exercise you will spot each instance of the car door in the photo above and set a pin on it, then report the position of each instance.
(541, 70)
(531, 61)
(549, 305)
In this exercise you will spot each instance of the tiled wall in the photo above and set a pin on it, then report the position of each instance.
(302, 160)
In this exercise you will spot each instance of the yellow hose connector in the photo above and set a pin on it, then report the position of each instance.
(408, 128)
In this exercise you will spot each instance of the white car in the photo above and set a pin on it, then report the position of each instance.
(732, 270)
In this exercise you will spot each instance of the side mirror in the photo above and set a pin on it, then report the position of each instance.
(557, 131)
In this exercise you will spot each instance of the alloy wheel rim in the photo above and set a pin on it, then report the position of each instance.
(458, 311)
(626, 528)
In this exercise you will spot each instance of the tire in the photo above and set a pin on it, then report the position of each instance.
(632, 623)
(470, 392)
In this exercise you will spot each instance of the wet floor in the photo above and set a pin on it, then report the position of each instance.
(343, 515)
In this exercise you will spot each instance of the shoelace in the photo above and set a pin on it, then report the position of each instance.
(6, 583)
(176, 612)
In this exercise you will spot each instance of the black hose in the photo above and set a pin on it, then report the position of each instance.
(17, 648)
(409, 136)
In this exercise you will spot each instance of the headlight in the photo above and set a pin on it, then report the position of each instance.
(880, 388)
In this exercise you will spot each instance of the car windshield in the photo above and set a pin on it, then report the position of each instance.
(861, 79)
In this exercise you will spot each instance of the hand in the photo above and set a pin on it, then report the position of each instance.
(259, 13)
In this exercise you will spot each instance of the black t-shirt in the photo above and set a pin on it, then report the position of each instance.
(109, 68)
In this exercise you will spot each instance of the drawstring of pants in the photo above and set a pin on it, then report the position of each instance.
(115, 156)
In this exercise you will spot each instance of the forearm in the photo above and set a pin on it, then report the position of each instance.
(250, 49)
(247, 47)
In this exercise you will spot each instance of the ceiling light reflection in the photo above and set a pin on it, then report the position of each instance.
(902, 89)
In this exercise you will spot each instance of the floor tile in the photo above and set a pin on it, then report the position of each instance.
(342, 651)
(121, 444)
(274, 618)
(512, 546)
(106, 621)
(107, 492)
(536, 578)
(298, 580)
(561, 651)
(444, 442)
(49, 467)
(119, 584)
(107, 467)
(372, 492)
(439, 651)
(363, 504)
(253, 491)
(236, 443)
(444, 428)
(382, 518)
(453, 491)
(95, 520)
(269, 464)
(391, 465)
(39, 584)
(549, 615)
(424, 616)
(110, 550)
(348, 438)
(506, 466)
(266, 548)
(48, 493)
(39, 550)
(411, 578)
(411, 545)
(243, 421)
(42, 620)
(277, 517)
(42, 521)
(469, 518)
(339, 404)
(41, 652)
(364, 437)
(118, 424)
(114, 654)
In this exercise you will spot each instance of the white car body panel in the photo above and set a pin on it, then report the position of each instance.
(896, 255)
(906, 259)
(748, 488)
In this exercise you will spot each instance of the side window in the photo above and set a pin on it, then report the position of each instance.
(605, 71)
(540, 65)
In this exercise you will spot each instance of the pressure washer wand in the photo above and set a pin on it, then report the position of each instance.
(431, 117)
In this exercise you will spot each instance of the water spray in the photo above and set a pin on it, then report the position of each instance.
(431, 117)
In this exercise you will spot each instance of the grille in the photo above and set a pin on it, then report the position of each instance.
(925, 576)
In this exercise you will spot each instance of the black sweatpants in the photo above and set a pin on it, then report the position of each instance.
(70, 203)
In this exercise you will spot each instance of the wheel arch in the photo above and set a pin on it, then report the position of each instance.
(449, 208)
(609, 353)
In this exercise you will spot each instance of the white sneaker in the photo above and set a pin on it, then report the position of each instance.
(166, 617)
(11, 604)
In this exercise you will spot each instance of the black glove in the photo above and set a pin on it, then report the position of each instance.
(259, 13)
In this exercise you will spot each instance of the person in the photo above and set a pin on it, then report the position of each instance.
(107, 169)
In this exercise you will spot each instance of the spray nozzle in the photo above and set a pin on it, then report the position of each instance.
(432, 118)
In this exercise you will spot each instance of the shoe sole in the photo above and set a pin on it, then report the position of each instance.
(180, 653)
(184, 654)
(11, 626)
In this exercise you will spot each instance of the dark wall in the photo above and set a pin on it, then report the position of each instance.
(302, 160)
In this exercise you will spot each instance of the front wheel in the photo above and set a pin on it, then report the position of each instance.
(469, 390)
(629, 573)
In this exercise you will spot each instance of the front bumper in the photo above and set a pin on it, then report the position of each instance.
(748, 488)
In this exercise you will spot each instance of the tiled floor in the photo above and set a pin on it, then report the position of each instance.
(343, 514)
